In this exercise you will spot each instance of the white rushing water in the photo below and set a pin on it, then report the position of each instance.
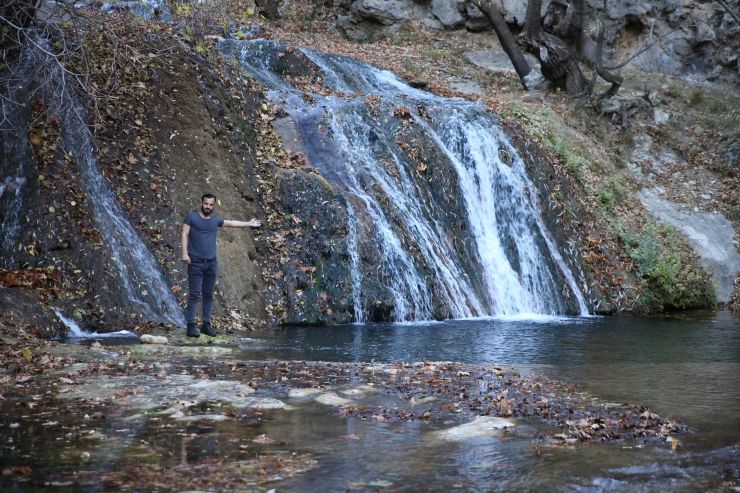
(75, 331)
(355, 259)
(516, 260)
(17, 165)
(140, 273)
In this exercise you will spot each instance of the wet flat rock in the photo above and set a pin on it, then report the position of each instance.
(480, 426)
(148, 392)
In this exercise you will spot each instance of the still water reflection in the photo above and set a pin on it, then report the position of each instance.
(685, 367)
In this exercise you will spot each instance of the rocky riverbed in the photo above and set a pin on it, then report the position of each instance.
(175, 415)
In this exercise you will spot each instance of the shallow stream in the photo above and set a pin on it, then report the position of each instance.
(685, 367)
(680, 367)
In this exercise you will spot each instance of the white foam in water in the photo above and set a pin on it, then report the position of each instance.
(76, 331)
(531, 317)
(354, 257)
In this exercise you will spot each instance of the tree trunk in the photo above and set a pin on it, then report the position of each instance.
(573, 29)
(558, 64)
(615, 80)
(508, 42)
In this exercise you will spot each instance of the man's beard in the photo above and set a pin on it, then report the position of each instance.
(205, 213)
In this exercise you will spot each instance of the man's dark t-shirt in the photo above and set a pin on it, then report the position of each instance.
(202, 236)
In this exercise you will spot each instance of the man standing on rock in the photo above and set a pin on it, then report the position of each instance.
(199, 252)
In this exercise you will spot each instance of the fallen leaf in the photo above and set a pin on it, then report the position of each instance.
(26, 353)
(96, 346)
(66, 380)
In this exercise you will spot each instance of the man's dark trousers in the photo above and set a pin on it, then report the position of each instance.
(201, 279)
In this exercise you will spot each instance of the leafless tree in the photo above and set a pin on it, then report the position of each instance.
(729, 10)
(559, 53)
(507, 39)
(45, 46)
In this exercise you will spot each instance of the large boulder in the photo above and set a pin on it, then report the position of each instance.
(515, 11)
(370, 20)
(476, 22)
(449, 13)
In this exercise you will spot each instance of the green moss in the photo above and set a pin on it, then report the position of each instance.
(573, 161)
(612, 192)
(671, 277)
(405, 37)
(696, 98)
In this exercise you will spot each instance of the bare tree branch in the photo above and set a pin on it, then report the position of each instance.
(642, 50)
(729, 10)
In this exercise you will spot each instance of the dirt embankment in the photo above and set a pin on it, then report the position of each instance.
(170, 133)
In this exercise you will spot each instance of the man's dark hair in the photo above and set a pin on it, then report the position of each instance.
(207, 196)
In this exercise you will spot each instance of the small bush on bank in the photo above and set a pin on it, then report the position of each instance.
(671, 276)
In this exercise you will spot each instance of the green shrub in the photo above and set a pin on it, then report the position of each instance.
(573, 161)
(671, 277)
(611, 191)
(696, 98)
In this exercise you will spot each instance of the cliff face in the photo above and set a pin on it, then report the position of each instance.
(691, 39)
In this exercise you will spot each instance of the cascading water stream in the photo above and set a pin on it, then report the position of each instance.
(17, 167)
(75, 331)
(354, 258)
(517, 266)
(141, 274)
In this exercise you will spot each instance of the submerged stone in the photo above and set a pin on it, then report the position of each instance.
(147, 392)
(364, 389)
(181, 338)
(299, 393)
(332, 399)
(197, 352)
(481, 426)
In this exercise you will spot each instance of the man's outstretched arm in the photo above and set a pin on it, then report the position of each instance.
(254, 223)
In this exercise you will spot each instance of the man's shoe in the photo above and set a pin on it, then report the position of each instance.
(193, 330)
(207, 330)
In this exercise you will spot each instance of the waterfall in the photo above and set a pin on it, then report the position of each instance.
(503, 262)
(75, 331)
(140, 272)
(355, 259)
(17, 166)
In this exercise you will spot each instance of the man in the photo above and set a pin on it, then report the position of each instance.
(199, 253)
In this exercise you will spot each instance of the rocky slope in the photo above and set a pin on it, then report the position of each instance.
(187, 122)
